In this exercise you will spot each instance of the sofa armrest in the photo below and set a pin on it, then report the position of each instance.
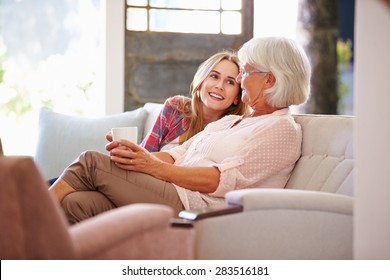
(110, 230)
(259, 199)
(279, 224)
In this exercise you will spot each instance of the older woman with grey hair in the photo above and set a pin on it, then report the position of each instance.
(236, 152)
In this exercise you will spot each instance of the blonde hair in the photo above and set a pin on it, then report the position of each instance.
(197, 123)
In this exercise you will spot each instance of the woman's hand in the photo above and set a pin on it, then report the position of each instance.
(129, 156)
(109, 136)
(112, 144)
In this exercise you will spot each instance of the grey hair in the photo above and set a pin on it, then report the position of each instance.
(287, 61)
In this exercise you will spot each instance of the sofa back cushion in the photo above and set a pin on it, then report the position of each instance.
(327, 160)
(63, 137)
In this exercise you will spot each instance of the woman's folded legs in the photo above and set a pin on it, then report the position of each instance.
(94, 184)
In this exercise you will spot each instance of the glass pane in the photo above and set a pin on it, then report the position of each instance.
(231, 23)
(185, 21)
(140, 3)
(187, 4)
(231, 5)
(137, 19)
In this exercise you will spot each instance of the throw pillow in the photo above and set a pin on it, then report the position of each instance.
(62, 138)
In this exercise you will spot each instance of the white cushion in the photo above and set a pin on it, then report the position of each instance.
(63, 137)
(327, 160)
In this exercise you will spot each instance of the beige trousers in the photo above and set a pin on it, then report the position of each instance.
(100, 186)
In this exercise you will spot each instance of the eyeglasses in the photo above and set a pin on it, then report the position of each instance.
(245, 73)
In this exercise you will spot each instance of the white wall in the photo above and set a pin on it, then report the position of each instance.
(372, 133)
(113, 56)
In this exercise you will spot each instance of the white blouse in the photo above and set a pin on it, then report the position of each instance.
(258, 152)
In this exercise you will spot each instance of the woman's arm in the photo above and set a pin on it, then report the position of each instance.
(160, 165)
(202, 179)
(165, 157)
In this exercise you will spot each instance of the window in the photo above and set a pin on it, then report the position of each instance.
(190, 16)
(53, 61)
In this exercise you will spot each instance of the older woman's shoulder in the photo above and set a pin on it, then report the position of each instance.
(281, 122)
(224, 122)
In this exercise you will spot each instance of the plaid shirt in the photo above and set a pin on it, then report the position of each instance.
(170, 124)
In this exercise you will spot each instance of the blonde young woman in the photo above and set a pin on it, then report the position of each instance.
(236, 152)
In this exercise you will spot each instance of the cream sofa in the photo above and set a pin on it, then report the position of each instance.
(311, 218)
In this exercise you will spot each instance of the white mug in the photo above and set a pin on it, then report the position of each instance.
(128, 133)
